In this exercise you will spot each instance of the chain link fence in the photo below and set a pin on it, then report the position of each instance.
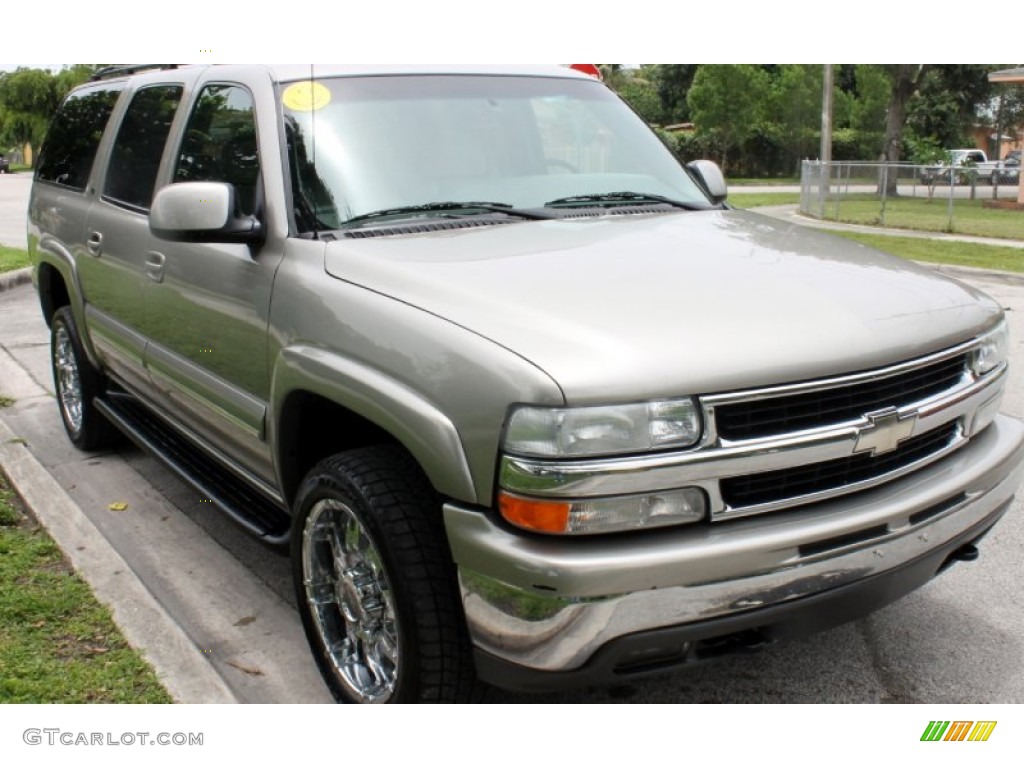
(869, 193)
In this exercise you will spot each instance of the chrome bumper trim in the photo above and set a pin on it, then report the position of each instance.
(549, 603)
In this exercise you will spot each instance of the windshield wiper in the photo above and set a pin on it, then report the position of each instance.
(622, 198)
(471, 208)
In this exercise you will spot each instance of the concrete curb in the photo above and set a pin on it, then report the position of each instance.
(9, 280)
(974, 273)
(182, 668)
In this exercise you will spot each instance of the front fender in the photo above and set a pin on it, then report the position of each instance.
(426, 432)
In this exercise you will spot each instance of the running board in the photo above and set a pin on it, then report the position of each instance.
(247, 506)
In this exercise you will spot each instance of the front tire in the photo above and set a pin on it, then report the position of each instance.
(77, 383)
(375, 582)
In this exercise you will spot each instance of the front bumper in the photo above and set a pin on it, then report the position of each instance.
(547, 612)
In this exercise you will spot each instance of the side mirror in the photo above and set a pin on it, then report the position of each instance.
(711, 176)
(201, 212)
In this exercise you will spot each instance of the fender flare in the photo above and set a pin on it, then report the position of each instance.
(423, 429)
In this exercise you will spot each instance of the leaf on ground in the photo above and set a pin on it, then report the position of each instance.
(254, 671)
(244, 621)
(117, 506)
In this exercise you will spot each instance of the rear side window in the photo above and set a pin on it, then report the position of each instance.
(220, 143)
(135, 158)
(70, 146)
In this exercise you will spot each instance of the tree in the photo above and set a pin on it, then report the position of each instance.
(673, 81)
(72, 76)
(643, 97)
(947, 102)
(636, 86)
(906, 79)
(1005, 113)
(795, 105)
(29, 98)
(725, 101)
(869, 109)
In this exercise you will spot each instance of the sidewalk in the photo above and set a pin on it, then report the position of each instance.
(178, 577)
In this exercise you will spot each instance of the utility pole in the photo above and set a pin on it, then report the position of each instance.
(825, 156)
(826, 116)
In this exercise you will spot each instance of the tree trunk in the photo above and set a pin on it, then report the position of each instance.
(905, 80)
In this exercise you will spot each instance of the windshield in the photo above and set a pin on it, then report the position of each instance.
(361, 145)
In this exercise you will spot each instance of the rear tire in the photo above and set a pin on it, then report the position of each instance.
(376, 585)
(77, 383)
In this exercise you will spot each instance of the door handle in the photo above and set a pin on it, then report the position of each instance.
(95, 243)
(155, 266)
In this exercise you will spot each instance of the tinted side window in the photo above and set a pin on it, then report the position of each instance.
(70, 146)
(135, 158)
(220, 143)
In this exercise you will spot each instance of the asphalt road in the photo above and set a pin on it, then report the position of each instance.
(958, 639)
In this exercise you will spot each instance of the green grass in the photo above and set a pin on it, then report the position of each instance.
(744, 199)
(969, 217)
(57, 643)
(12, 258)
(944, 251)
(763, 182)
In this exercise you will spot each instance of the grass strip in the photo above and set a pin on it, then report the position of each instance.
(12, 258)
(969, 216)
(1003, 258)
(58, 644)
(744, 199)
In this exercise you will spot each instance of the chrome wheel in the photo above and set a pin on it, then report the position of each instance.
(350, 601)
(69, 383)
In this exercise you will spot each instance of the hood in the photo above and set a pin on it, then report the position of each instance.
(639, 306)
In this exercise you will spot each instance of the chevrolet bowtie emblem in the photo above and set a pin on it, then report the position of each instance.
(885, 432)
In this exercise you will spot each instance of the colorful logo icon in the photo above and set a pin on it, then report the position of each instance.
(958, 730)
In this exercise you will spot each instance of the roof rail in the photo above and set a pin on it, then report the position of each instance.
(127, 69)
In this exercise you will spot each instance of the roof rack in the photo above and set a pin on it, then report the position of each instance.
(127, 69)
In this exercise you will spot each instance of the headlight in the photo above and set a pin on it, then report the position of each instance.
(603, 430)
(993, 350)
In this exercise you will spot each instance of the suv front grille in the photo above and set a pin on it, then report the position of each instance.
(795, 482)
(807, 410)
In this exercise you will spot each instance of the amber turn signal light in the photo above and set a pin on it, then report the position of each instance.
(534, 514)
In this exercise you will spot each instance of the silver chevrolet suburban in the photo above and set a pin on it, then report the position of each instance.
(529, 403)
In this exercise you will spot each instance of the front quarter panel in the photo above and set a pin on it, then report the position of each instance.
(439, 389)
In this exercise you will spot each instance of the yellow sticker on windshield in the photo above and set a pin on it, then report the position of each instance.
(306, 96)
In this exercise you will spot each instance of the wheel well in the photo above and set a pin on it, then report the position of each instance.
(311, 428)
(53, 293)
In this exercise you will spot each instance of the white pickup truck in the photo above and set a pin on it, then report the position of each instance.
(960, 164)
